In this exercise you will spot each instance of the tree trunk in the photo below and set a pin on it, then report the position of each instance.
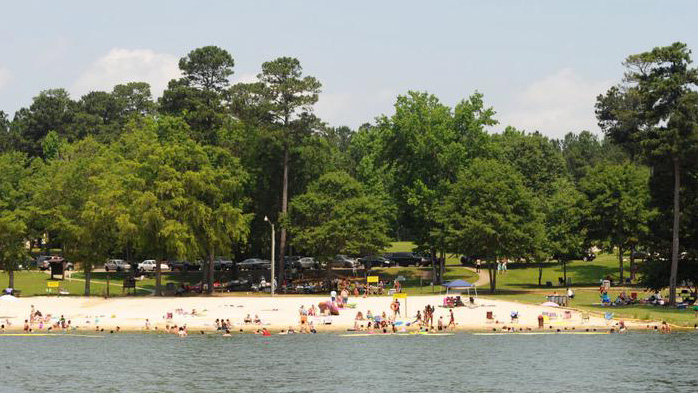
(632, 263)
(564, 271)
(434, 270)
(620, 263)
(211, 271)
(675, 234)
(158, 282)
(88, 278)
(284, 209)
(442, 267)
(492, 268)
(11, 274)
(540, 273)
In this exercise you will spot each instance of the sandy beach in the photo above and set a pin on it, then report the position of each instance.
(281, 312)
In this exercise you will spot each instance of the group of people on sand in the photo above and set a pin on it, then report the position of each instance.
(424, 320)
(45, 321)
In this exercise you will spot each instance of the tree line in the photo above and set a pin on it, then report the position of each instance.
(193, 173)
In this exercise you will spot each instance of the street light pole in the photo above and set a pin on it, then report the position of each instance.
(273, 249)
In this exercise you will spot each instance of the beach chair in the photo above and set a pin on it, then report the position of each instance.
(608, 316)
(490, 317)
(568, 314)
(585, 317)
(514, 316)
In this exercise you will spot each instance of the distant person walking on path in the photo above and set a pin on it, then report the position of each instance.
(478, 265)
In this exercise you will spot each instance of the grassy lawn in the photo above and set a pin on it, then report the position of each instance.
(412, 275)
(400, 247)
(33, 283)
(581, 273)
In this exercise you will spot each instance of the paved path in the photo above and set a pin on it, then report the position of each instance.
(483, 277)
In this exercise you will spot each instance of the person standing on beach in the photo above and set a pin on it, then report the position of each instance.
(395, 307)
(452, 321)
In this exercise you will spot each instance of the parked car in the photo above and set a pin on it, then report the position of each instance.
(291, 261)
(117, 265)
(254, 264)
(405, 259)
(223, 263)
(343, 261)
(44, 262)
(149, 265)
(372, 261)
(183, 265)
(306, 263)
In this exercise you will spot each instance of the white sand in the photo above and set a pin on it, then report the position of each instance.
(277, 313)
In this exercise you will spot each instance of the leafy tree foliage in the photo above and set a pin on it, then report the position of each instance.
(619, 206)
(490, 213)
(337, 216)
(282, 103)
(655, 113)
(565, 216)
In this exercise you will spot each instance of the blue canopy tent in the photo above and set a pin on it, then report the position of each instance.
(459, 285)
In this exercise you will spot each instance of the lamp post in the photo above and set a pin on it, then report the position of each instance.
(273, 246)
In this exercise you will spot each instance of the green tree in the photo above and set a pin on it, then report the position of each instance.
(489, 212)
(199, 95)
(618, 206)
(337, 216)
(72, 178)
(656, 113)
(533, 155)
(564, 222)
(51, 110)
(14, 199)
(134, 98)
(282, 103)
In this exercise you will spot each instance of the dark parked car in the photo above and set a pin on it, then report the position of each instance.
(372, 261)
(254, 264)
(184, 266)
(290, 261)
(44, 262)
(223, 263)
(407, 259)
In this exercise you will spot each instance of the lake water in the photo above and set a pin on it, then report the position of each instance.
(330, 363)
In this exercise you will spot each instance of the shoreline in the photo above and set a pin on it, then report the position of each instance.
(281, 313)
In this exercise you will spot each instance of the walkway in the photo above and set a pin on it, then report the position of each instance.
(483, 277)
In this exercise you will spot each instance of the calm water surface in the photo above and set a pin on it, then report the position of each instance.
(330, 363)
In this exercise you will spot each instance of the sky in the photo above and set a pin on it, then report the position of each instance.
(540, 64)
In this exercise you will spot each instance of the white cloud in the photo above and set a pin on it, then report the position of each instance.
(5, 77)
(555, 105)
(128, 65)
